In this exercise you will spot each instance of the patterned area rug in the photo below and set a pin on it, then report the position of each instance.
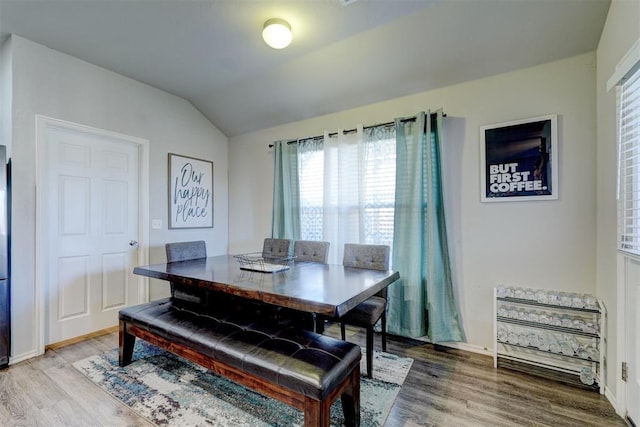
(171, 391)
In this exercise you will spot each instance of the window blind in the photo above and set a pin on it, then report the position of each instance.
(310, 174)
(379, 185)
(374, 212)
(629, 165)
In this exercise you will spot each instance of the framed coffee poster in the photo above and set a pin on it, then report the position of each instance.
(518, 160)
(190, 192)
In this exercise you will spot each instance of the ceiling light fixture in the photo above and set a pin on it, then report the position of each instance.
(277, 33)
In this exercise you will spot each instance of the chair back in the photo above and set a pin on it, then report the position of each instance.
(276, 248)
(373, 257)
(372, 311)
(311, 250)
(184, 251)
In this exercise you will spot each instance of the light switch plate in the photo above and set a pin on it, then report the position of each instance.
(156, 224)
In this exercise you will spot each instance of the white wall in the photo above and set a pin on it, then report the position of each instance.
(53, 84)
(621, 31)
(5, 94)
(539, 244)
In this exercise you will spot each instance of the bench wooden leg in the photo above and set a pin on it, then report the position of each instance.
(313, 413)
(126, 342)
(351, 399)
(318, 413)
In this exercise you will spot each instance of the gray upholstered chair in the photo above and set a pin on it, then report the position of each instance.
(311, 250)
(369, 312)
(185, 251)
(276, 248)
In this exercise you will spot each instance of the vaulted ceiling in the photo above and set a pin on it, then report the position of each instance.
(345, 53)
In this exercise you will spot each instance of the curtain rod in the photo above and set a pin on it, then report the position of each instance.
(408, 119)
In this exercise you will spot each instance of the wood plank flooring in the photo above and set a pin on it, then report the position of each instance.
(445, 387)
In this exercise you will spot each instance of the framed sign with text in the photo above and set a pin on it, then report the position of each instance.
(518, 160)
(190, 192)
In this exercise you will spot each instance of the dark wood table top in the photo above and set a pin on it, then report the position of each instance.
(327, 289)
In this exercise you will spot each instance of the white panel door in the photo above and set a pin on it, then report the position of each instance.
(91, 224)
(632, 343)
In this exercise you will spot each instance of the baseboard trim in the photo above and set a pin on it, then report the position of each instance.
(468, 347)
(460, 346)
(22, 357)
(76, 340)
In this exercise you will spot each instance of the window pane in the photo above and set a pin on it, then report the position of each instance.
(311, 166)
(377, 192)
(629, 165)
(379, 184)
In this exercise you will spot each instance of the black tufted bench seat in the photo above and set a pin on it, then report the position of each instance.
(300, 368)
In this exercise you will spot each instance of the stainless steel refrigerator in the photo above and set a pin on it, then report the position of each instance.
(5, 313)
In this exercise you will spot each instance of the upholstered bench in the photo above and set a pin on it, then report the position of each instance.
(298, 367)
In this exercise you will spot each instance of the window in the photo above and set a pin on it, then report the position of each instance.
(629, 165)
(310, 172)
(377, 187)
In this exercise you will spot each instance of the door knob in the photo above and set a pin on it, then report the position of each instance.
(133, 243)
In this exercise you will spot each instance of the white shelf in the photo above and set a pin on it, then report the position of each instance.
(556, 341)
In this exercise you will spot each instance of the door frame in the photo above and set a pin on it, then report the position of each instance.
(616, 370)
(622, 347)
(43, 124)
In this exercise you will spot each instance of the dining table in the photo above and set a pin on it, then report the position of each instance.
(329, 290)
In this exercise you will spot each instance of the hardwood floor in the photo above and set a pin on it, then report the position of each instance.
(445, 387)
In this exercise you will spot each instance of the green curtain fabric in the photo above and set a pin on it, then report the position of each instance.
(286, 192)
(420, 251)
